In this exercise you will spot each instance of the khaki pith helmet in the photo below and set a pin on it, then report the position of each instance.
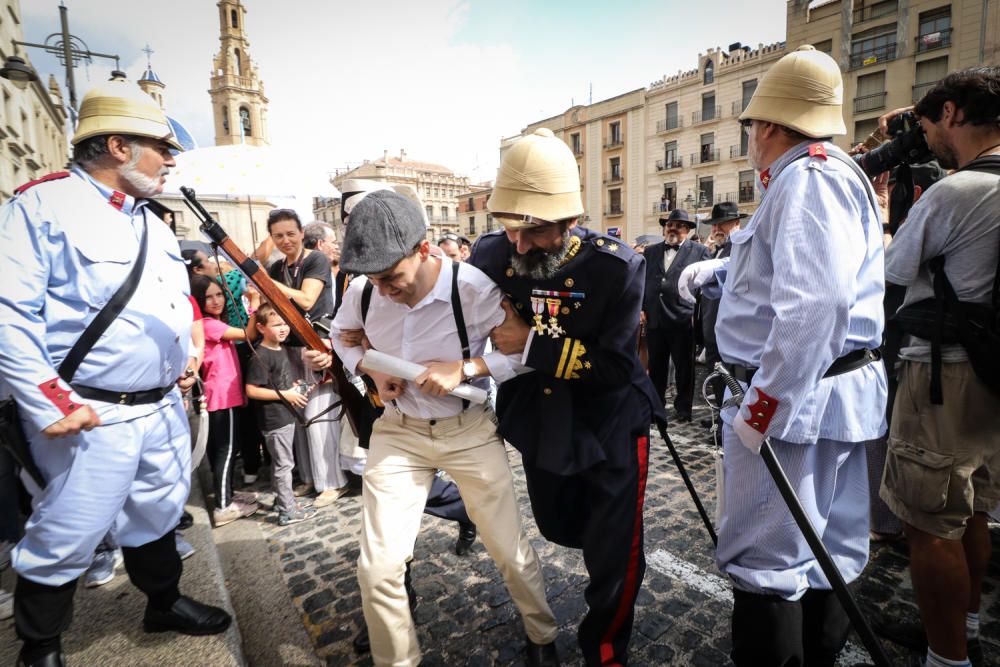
(538, 182)
(121, 107)
(803, 91)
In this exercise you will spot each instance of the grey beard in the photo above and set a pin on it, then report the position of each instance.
(540, 265)
(144, 185)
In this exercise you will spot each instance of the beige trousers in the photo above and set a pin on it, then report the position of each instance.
(404, 455)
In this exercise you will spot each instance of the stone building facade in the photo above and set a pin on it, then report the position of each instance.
(473, 219)
(680, 144)
(437, 186)
(32, 120)
(893, 51)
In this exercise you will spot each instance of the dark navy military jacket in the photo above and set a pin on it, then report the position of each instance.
(589, 397)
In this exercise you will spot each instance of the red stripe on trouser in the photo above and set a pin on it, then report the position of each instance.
(631, 573)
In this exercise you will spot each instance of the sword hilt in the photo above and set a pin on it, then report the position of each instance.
(731, 382)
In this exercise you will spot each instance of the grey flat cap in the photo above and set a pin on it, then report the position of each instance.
(384, 228)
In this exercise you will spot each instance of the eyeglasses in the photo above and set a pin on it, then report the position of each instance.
(282, 213)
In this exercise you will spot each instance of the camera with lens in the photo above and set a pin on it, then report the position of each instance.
(907, 145)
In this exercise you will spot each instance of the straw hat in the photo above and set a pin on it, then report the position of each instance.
(537, 182)
(121, 107)
(803, 91)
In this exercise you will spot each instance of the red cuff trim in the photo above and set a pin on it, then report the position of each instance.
(60, 396)
(762, 412)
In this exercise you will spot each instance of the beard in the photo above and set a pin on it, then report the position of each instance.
(144, 186)
(539, 264)
(945, 153)
(754, 156)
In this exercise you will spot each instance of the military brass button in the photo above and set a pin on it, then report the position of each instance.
(600, 242)
(565, 310)
(547, 391)
(569, 282)
(509, 272)
(756, 424)
(760, 415)
(765, 403)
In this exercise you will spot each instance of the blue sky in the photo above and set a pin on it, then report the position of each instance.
(443, 79)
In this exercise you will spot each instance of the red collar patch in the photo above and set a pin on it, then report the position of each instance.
(817, 150)
(117, 199)
(48, 177)
(765, 178)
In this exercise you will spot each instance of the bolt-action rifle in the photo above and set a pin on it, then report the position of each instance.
(351, 399)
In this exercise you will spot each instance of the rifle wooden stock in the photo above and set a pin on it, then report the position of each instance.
(349, 394)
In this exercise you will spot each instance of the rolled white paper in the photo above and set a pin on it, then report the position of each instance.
(390, 365)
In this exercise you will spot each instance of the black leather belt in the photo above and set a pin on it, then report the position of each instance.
(851, 361)
(123, 397)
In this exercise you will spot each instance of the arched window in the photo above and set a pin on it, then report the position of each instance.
(225, 120)
(234, 19)
(239, 62)
(709, 72)
(245, 122)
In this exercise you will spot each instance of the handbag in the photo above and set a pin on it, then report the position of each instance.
(12, 436)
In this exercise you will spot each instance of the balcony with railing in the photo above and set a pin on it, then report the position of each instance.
(875, 11)
(746, 194)
(613, 211)
(738, 152)
(871, 102)
(669, 124)
(661, 207)
(920, 89)
(669, 163)
(712, 114)
(879, 54)
(578, 150)
(933, 40)
(706, 156)
(612, 178)
(727, 197)
(613, 142)
(738, 107)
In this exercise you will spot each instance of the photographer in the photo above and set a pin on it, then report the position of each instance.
(943, 467)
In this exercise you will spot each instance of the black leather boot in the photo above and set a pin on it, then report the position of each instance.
(466, 538)
(541, 655)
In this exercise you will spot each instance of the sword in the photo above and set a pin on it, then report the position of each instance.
(819, 550)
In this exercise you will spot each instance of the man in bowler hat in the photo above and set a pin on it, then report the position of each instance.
(669, 319)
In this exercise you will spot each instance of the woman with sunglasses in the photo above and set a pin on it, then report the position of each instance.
(305, 278)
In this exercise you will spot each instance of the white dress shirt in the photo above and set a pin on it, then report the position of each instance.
(427, 332)
(669, 254)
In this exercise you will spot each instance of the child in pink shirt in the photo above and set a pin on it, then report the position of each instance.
(220, 372)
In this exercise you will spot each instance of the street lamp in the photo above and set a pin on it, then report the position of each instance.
(70, 49)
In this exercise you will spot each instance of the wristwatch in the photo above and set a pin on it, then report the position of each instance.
(469, 370)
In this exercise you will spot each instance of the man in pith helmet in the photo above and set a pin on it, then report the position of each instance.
(799, 324)
(581, 419)
(105, 420)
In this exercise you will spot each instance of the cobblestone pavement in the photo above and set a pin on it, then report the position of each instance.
(466, 617)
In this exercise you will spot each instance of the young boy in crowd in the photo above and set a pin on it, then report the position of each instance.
(270, 367)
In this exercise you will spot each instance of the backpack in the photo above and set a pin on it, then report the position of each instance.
(944, 319)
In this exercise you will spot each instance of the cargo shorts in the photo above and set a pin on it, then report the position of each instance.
(943, 462)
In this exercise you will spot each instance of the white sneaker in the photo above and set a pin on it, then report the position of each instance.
(6, 605)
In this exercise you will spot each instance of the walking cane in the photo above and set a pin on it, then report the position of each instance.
(829, 568)
(662, 426)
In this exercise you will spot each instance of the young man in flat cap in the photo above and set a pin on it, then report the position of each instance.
(581, 420)
(669, 319)
(438, 314)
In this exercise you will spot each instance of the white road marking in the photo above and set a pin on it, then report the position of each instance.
(721, 590)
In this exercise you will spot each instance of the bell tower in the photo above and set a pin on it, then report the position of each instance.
(238, 102)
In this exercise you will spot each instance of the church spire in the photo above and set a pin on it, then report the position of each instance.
(238, 101)
(149, 82)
